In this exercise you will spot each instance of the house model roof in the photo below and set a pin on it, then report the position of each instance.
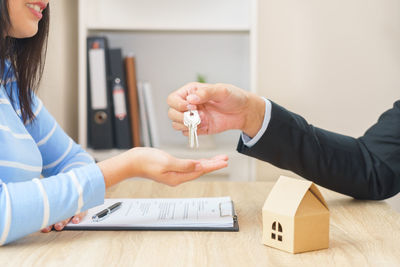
(286, 196)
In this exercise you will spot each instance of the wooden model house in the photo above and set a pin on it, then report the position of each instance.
(295, 217)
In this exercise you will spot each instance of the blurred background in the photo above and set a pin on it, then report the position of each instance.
(337, 63)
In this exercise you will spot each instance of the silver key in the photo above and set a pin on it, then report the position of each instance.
(191, 119)
(195, 122)
(188, 123)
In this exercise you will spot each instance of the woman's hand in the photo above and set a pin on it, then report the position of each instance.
(60, 225)
(164, 168)
(221, 107)
(157, 165)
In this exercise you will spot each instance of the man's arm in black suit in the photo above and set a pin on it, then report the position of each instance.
(366, 168)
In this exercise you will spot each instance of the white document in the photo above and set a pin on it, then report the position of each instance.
(212, 212)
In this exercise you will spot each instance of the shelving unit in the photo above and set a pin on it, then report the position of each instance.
(173, 41)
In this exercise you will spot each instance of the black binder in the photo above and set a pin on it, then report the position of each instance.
(121, 119)
(100, 134)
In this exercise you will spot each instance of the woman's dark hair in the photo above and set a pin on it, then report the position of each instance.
(26, 56)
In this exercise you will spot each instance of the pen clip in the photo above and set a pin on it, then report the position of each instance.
(106, 212)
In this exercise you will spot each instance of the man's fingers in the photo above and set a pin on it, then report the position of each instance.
(191, 107)
(177, 100)
(175, 115)
(179, 126)
(205, 93)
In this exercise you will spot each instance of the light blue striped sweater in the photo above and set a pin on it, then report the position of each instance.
(72, 181)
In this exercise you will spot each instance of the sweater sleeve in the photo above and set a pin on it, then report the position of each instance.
(73, 183)
(27, 207)
(59, 152)
(366, 168)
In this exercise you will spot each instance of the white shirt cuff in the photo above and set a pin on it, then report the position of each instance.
(248, 141)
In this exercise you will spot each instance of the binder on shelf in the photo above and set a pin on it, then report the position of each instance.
(163, 214)
(144, 126)
(151, 114)
(131, 84)
(100, 133)
(121, 120)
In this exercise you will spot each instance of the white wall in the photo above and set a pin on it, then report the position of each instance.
(58, 89)
(337, 63)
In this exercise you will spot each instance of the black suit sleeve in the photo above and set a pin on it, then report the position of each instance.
(365, 168)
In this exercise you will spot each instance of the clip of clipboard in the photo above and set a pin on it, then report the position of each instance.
(228, 211)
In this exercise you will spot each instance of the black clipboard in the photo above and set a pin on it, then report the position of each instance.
(234, 228)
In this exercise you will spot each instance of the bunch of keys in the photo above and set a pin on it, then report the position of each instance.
(191, 119)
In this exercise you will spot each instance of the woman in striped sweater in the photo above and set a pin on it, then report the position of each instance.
(32, 143)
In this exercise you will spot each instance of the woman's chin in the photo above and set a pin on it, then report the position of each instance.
(26, 32)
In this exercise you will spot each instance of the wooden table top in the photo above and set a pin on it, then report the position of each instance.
(362, 233)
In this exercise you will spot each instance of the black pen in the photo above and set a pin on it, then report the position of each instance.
(104, 213)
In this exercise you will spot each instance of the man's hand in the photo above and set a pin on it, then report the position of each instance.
(60, 225)
(221, 107)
